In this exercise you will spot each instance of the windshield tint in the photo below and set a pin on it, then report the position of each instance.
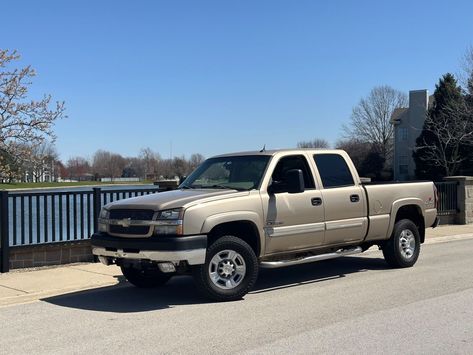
(238, 172)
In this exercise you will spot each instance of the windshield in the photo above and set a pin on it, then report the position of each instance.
(235, 172)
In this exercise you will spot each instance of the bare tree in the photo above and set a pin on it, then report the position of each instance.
(180, 166)
(107, 164)
(150, 161)
(24, 123)
(194, 161)
(453, 136)
(466, 64)
(77, 167)
(315, 143)
(371, 118)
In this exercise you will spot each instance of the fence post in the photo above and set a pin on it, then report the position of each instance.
(4, 233)
(97, 198)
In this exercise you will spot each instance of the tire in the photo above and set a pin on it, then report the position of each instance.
(230, 270)
(403, 248)
(145, 278)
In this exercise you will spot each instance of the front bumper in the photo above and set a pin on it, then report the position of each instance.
(191, 249)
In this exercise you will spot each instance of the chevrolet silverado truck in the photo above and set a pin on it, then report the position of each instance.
(240, 212)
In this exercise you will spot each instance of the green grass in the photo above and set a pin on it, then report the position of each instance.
(39, 185)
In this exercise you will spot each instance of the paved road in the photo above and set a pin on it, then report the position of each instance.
(350, 305)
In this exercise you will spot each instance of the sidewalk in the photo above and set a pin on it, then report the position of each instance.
(28, 285)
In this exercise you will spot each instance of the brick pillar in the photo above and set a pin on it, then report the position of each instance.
(464, 198)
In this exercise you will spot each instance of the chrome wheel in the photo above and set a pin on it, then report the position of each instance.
(407, 243)
(227, 269)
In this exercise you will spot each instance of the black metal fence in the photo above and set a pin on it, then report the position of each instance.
(30, 218)
(447, 193)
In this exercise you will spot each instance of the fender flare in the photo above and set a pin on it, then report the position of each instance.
(401, 203)
(235, 216)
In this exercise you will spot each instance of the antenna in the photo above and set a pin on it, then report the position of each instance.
(264, 149)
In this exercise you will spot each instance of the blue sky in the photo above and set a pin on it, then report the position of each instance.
(220, 76)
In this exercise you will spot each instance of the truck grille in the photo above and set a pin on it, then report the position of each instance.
(134, 215)
(136, 230)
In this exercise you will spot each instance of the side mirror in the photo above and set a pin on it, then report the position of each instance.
(292, 183)
(295, 181)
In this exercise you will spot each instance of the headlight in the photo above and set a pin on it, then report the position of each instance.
(169, 222)
(166, 215)
(104, 215)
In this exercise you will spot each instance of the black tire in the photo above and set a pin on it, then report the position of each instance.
(403, 248)
(145, 278)
(243, 284)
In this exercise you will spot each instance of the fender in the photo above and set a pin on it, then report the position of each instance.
(397, 205)
(234, 216)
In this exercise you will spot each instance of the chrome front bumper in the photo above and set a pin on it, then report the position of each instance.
(193, 257)
(191, 249)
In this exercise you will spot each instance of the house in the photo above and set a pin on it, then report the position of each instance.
(408, 123)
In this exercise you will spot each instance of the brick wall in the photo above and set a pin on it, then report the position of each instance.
(50, 254)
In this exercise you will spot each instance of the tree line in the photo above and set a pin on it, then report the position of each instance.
(444, 146)
(148, 165)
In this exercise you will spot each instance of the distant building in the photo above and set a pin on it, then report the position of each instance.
(408, 123)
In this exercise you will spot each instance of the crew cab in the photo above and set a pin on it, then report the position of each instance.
(240, 212)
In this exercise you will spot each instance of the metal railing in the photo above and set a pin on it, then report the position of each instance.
(31, 218)
(447, 193)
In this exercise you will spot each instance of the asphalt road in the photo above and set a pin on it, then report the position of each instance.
(350, 305)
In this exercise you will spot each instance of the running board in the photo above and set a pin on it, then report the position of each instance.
(309, 259)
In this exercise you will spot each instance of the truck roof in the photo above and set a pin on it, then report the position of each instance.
(271, 152)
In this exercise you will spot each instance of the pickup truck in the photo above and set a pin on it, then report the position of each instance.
(240, 212)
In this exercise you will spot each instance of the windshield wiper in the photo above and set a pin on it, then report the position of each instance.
(223, 187)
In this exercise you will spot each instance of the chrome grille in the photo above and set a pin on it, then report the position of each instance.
(133, 215)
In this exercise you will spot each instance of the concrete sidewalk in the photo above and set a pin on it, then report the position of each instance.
(27, 285)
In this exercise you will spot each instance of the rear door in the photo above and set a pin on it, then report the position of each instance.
(343, 198)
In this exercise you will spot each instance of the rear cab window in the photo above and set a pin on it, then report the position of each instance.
(333, 170)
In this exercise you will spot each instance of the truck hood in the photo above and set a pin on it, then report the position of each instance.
(174, 199)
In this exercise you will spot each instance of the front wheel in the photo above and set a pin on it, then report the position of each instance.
(145, 278)
(230, 270)
(403, 248)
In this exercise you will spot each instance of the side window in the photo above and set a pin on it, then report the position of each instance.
(333, 170)
(293, 162)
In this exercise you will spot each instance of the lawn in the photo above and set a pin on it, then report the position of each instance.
(37, 185)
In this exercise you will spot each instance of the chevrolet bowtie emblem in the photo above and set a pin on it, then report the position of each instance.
(125, 222)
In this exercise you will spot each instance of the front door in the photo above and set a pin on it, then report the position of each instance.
(294, 221)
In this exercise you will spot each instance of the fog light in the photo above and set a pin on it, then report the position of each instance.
(167, 267)
(102, 227)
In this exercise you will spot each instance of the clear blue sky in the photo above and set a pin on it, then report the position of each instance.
(219, 76)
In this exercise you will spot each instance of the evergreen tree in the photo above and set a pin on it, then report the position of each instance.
(440, 147)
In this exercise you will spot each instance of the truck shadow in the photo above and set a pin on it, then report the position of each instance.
(125, 298)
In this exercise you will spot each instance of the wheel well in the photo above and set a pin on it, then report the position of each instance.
(244, 230)
(414, 214)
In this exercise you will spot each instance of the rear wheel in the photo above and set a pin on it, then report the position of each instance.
(403, 248)
(230, 270)
(145, 278)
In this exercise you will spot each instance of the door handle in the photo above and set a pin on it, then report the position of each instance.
(354, 198)
(316, 201)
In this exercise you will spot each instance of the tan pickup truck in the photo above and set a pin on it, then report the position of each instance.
(240, 212)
